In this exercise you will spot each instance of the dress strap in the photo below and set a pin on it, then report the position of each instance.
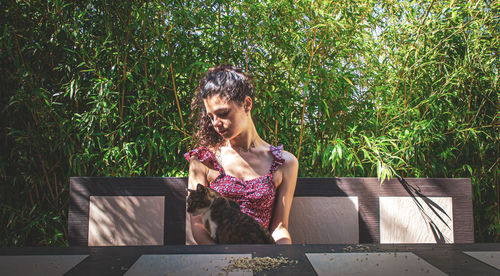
(204, 154)
(278, 160)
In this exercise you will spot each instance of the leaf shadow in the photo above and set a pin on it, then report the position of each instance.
(433, 206)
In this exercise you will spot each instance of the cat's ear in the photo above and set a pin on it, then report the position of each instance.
(200, 187)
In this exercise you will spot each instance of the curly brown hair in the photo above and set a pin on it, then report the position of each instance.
(226, 81)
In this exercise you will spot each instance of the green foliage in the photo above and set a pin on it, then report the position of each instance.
(353, 88)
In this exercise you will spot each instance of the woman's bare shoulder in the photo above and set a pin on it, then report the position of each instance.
(195, 163)
(200, 157)
(197, 173)
(290, 159)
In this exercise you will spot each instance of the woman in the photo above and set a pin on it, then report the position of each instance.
(234, 160)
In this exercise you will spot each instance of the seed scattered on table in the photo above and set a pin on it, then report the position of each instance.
(257, 264)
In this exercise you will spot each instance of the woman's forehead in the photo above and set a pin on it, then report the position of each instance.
(215, 102)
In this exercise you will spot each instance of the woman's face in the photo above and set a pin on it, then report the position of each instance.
(228, 118)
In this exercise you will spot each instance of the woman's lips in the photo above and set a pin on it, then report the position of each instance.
(222, 131)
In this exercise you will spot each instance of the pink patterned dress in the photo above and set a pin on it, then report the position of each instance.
(255, 196)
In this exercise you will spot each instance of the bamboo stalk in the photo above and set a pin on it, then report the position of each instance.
(497, 187)
(46, 177)
(56, 186)
(305, 94)
(36, 191)
(31, 198)
(276, 132)
(248, 40)
(148, 120)
(177, 100)
(218, 38)
(124, 76)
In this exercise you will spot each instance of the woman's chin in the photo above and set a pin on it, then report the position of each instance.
(225, 134)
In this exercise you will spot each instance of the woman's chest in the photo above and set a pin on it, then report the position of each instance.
(228, 178)
(245, 165)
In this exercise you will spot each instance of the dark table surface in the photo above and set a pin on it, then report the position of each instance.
(445, 258)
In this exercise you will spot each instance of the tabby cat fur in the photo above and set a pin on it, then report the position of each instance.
(223, 218)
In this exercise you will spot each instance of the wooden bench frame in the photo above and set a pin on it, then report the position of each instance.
(367, 190)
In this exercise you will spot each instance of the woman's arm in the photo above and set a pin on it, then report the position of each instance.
(286, 190)
(198, 174)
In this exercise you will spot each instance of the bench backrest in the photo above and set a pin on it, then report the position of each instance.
(151, 211)
(360, 210)
(127, 211)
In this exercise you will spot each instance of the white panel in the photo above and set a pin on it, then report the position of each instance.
(189, 264)
(403, 221)
(38, 264)
(383, 263)
(490, 257)
(324, 220)
(126, 220)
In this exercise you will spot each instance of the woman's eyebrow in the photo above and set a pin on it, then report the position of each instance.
(222, 109)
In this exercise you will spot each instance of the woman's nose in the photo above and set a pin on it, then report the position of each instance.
(216, 122)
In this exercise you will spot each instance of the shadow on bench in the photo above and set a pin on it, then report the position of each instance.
(107, 211)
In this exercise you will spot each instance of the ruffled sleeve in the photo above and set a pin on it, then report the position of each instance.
(278, 160)
(203, 154)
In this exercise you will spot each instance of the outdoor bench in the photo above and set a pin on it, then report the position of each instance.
(107, 211)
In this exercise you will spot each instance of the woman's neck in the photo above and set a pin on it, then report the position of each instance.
(246, 140)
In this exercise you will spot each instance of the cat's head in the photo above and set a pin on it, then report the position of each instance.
(199, 200)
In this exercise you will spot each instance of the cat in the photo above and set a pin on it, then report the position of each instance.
(224, 220)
